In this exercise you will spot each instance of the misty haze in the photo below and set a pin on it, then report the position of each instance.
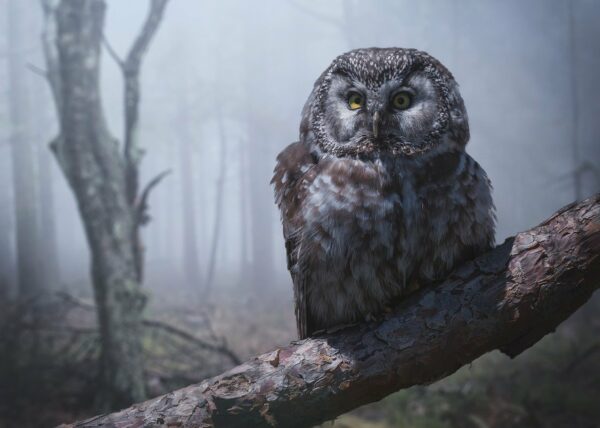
(200, 274)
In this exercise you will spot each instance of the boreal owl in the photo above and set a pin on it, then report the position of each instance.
(379, 197)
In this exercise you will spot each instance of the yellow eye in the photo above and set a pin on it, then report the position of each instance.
(402, 100)
(355, 100)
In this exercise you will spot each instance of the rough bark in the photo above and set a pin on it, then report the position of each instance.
(506, 299)
(90, 159)
(99, 173)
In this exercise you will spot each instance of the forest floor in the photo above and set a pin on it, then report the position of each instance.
(554, 384)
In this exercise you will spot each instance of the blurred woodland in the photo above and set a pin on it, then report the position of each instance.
(140, 248)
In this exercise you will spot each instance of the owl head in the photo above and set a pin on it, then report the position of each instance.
(385, 100)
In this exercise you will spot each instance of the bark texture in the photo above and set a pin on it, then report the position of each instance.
(104, 179)
(506, 299)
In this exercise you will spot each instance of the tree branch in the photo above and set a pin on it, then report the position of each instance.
(142, 216)
(49, 35)
(316, 15)
(506, 299)
(112, 52)
(131, 75)
(219, 347)
(132, 152)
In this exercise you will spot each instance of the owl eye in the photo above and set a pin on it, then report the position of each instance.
(402, 100)
(355, 100)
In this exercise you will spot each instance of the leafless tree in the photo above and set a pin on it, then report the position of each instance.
(104, 178)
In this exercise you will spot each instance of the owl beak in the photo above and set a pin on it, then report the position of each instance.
(376, 120)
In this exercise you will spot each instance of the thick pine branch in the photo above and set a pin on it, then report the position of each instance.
(506, 299)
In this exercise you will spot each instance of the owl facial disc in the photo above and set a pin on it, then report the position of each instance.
(374, 101)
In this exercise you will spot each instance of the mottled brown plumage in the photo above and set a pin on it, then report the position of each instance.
(378, 199)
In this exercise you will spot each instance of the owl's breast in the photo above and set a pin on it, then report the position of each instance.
(357, 215)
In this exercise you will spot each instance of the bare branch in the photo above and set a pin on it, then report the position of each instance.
(76, 301)
(141, 43)
(506, 299)
(316, 15)
(131, 72)
(220, 347)
(114, 55)
(37, 70)
(142, 204)
(51, 52)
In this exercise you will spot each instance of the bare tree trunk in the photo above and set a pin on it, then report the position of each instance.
(188, 200)
(48, 248)
(104, 181)
(218, 200)
(23, 159)
(259, 173)
(6, 240)
(507, 299)
(6, 228)
(244, 211)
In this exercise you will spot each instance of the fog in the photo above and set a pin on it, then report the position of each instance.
(223, 85)
(255, 64)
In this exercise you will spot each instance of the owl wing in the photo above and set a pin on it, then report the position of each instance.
(292, 175)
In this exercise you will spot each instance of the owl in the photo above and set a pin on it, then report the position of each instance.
(378, 197)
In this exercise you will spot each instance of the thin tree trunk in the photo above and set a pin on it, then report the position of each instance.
(6, 240)
(48, 242)
(6, 228)
(188, 200)
(218, 200)
(23, 159)
(507, 299)
(259, 193)
(244, 211)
